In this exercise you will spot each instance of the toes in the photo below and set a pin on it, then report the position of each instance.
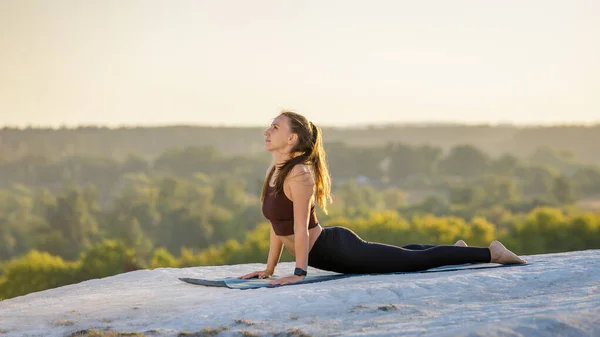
(460, 243)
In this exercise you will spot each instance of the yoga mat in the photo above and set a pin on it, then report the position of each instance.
(254, 283)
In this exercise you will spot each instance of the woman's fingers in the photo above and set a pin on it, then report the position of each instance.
(258, 274)
(251, 275)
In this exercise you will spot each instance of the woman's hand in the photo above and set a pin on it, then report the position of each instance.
(287, 280)
(257, 274)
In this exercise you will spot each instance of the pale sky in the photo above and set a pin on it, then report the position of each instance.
(238, 62)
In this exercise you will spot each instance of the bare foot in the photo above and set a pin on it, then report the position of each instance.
(461, 243)
(502, 255)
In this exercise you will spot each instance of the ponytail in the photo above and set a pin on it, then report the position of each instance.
(318, 159)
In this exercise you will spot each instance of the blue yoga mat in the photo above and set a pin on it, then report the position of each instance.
(254, 283)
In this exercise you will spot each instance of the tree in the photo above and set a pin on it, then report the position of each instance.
(466, 195)
(36, 271)
(498, 190)
(562, 190)
(393, 198)
(187, 161)
(347, 163)
(562, 160)
(357, 199)
(464, 161)
(8, 242)
(71, 225)
(505, 165)
(108, 258)
(535, 180)
(586, 180)
(410, 161)
(134, 163)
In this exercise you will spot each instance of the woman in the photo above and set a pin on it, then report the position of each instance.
(297, 180)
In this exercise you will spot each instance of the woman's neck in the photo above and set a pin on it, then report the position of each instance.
(280, 158)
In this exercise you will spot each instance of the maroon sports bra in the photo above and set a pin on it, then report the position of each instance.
(280, 211)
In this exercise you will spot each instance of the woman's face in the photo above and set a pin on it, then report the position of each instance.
(278, 135)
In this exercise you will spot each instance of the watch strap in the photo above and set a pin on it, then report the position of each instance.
(300, 272)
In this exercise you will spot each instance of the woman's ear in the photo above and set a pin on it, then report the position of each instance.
(293, 137)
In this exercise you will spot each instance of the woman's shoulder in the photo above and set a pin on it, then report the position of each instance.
(301, 172)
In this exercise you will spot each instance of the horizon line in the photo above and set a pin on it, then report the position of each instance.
(383, 124)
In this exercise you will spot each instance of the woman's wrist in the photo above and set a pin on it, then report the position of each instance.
(300, 272)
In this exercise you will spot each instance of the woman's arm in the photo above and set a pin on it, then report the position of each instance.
(301, 184)
(275, 250)
(301, 188)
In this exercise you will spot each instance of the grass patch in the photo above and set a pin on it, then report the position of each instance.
(244, 321)
(358, 307)
(247, 333)
(206, 332)
(109, 333)
(64, 322)
(293, 333)
(388, 307)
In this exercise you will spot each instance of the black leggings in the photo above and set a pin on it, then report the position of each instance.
(340, 250)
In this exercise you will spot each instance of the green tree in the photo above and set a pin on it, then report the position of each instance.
(562, 190)
(505, 165)
(535, 180)
(8, 242)
(408, 161)
(357, 199)
(466, 195)
(498, 190)
(134, 163)
(586, 181)
(71, 226)
(393, 198)
(464, 161)
(107, 258)
(36, 271)
(189, 160)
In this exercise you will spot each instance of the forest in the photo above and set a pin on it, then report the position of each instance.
(91, 202)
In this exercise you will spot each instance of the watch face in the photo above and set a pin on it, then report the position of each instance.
(299, 272)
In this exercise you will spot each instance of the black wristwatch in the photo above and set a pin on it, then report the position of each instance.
(300, 272)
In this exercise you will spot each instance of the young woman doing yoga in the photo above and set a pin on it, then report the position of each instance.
(298, 180)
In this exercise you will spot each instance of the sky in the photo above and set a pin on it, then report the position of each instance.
(340, 63)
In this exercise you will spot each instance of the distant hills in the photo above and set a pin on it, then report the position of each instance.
(581, 141)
